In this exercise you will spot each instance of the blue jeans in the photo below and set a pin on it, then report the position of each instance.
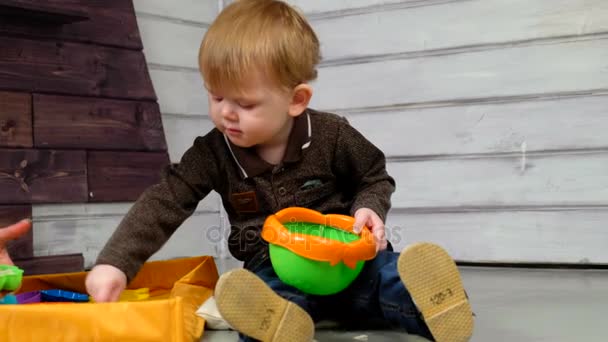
(376, 299)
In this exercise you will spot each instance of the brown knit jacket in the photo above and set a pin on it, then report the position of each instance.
(328, 166)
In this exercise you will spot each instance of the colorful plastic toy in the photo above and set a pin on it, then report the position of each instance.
(29, 297)
(8, 299)
(134, 295)
(63, 296)
(316, 253)
(10, 277)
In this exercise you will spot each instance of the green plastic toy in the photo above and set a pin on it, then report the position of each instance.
(10, 277)
(317, 254)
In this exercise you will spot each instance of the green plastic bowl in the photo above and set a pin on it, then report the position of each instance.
(311, 276)
(10, 277)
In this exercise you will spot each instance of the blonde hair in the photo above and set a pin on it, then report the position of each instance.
(266, 34)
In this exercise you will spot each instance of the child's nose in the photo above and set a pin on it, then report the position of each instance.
(229, 113)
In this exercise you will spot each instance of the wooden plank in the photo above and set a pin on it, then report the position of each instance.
(546, 179)
(40, 13)
(320, 6)
(558, 124)
(24, 246)
(110, 22)
(42, 176)
(52, 264)
(73, 69)
(78, 122)
(87, 233)
(15, 119)
(582, 65)
(162, 38)
(122, 176)
(191, 10)
(180, 91)
(181, 132)
(449, 25)
(536, 305)
(532, 236)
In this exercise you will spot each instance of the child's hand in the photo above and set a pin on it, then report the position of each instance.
(105, 283)
(10, 233)
(367, 217)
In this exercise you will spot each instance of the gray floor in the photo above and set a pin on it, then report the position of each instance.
(513, 305)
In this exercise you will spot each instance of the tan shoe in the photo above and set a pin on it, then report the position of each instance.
(433, 281)
(254, 309)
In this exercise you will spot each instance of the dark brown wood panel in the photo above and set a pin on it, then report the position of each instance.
(42, 176)
(100, 124)
(73, 69)
(24, 246)
(123, 176)
(39, 11)
(15, 119)
(52, 264)
(110, 22)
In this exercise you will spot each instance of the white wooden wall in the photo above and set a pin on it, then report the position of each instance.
(492, 114)
(171, 33)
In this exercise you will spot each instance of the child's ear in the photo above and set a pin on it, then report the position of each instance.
(300, 98)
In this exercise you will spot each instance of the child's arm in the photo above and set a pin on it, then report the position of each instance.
(161, 209)
(363, 165)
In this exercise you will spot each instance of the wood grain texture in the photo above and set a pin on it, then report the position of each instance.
(88, 232)
(181, 132)
(555, 124)
(519, 236)
(73, 69)
(180, 91)
(51, 264)
(39, 13)
(15, 119)
(545, 179)
(190, 10)
(157, 33)
(582, 65)
(42, 176)
(110, 22)
(100, 124)
(24, 246)
(320, 6)
(449, 25)
(122, 176)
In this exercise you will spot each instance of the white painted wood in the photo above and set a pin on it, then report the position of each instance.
(573, 123)
(454, 24)
(170, 43)
(88, 235)
(537, 305)
(179, 91)
(569, 236)
(547, 179)
(81, 210)
(201, 11)
(320, 6)
(180, 132)
(571, 66)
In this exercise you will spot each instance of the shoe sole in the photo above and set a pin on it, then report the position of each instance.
(254, 309)
(433, 281)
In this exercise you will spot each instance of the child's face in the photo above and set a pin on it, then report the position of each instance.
(256, 115)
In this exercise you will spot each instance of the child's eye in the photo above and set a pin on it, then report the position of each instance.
(247, 106)
(217, 98)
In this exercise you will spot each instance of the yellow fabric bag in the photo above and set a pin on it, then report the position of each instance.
(177, 288)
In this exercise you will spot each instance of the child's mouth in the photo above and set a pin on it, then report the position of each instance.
(233, 131)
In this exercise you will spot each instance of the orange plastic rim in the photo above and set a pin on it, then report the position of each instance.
(316, 247)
